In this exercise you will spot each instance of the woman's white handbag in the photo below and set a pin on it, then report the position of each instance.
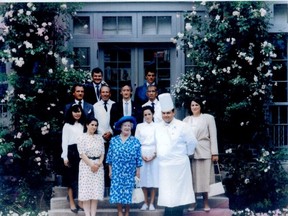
(216, 188)
(137, 195)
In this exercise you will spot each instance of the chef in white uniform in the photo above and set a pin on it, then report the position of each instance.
(175, 142)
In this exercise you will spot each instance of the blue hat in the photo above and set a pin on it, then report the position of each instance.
(123, 119)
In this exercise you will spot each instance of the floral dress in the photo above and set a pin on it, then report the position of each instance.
(124, 159)
(91, 185)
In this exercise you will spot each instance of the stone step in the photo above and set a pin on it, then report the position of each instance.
(136, 212)
(106, 212)
(220, 202)
(59, 191)
(62, 203)
(212, 212)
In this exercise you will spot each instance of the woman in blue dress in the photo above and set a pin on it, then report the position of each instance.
(124, 159)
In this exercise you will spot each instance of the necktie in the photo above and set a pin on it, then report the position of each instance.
(153, 105)
(126, 108)
(98, 91)
(80, 103)
(105, 105)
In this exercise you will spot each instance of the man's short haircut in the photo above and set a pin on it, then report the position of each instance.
(76, 85)
(96, 70)
(126, 84)
(105, 85)
(150, 68)
(152, 86)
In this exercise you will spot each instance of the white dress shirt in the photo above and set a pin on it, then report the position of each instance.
(70, 133)
(102, 116)
(129, 104)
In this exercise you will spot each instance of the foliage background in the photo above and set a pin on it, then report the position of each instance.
(230, 53)
(34, 41)
(230, 49)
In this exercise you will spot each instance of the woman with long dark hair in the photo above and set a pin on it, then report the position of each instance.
(72, 129)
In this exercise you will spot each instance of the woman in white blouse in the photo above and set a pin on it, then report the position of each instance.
(72, 129)
(149, 170)
(206, 151)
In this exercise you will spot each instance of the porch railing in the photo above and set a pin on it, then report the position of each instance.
(279, 124)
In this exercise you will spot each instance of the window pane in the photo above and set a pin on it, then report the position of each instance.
(149, 25)
(83, 57)
(109, 26)
(280, 13)
(161, 60)
(280, 91)
(81, 25)
(125, 25)
(117, 69)
(164, 25)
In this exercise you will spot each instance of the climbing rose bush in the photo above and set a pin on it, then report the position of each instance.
(33, 40)
(229, 56)
(229, 64)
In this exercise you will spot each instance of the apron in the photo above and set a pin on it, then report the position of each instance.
(175, 180)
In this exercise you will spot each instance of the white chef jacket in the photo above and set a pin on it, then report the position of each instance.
(175, 142)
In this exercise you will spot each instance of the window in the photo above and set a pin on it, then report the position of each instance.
(279, 109)
(120, 25)
(117, 69)
(81, 25)
(161, 59)
(3, 80)
(82, 58)
(280, 76)
(160, 25)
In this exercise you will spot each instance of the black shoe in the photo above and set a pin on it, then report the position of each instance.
(74, 210)
(79, 208)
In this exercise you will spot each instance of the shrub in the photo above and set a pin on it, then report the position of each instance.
(33, 38)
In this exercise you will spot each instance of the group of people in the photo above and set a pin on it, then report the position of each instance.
(107, 144)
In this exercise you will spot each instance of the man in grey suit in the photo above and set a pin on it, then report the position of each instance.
(78, 94)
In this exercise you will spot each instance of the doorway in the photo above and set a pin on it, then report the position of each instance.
(126, 63)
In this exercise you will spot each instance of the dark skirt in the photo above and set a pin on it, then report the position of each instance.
(70, 174)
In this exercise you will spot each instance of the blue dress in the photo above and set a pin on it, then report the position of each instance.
(124, 159)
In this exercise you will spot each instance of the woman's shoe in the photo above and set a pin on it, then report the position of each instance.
(74, 210)
(192, 208)
(207, 209)
(144, 207)
(79, 208)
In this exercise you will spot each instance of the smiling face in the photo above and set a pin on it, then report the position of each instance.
(195, 108)
(105, 93)
(97, 77)
(126, 128)
(77, 115)
(92, 127)
(168, 116)
(148, 116)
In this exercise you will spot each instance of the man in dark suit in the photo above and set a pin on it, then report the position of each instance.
(78, 94)
(140, 96)
(92, 90)
(125, 107)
